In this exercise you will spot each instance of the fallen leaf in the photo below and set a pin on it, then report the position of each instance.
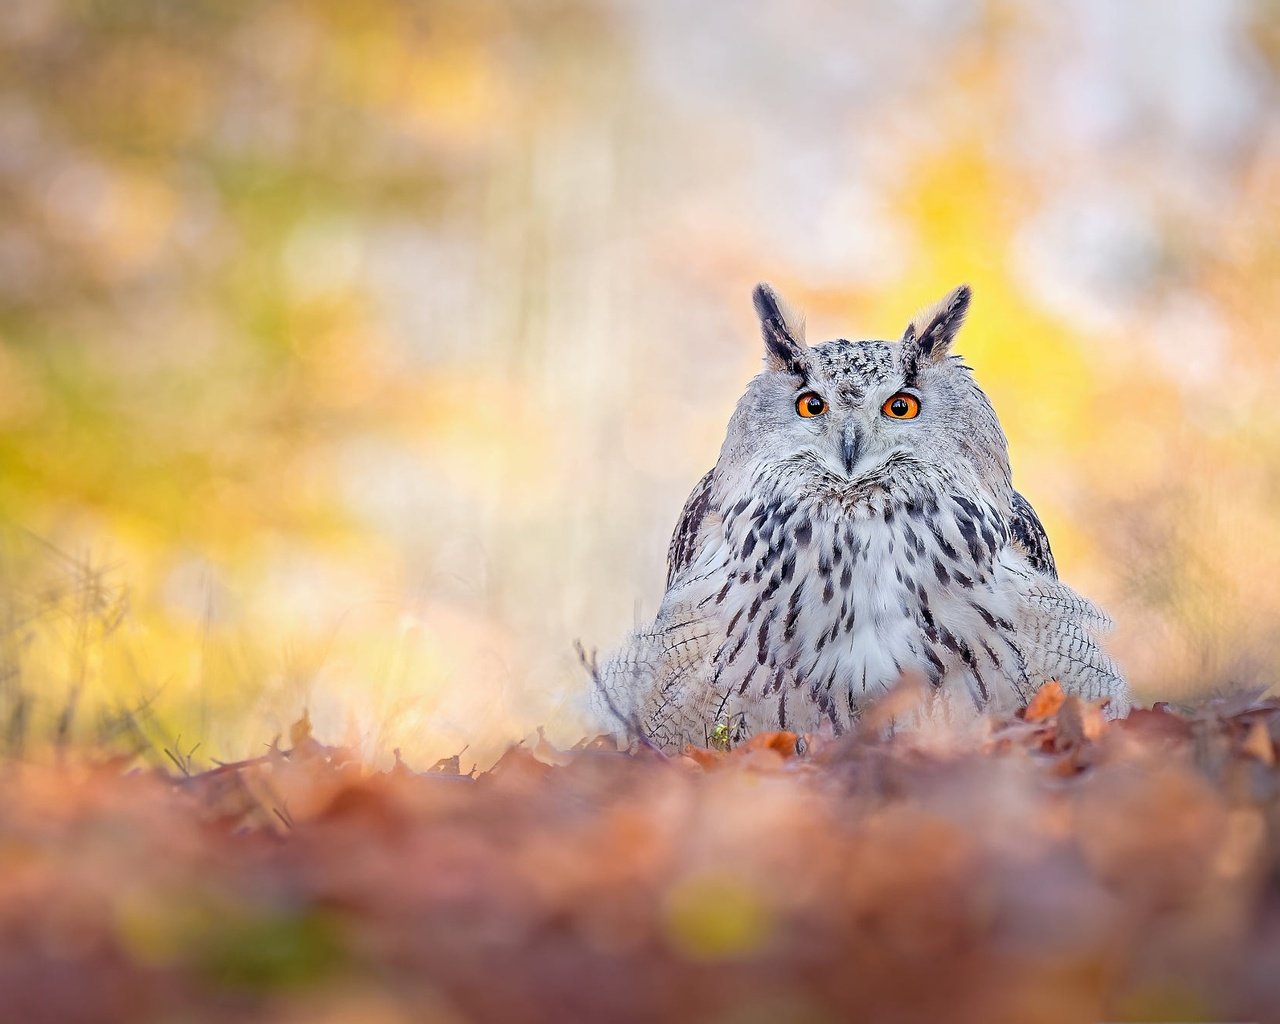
(1046, 703)
(1257, 743)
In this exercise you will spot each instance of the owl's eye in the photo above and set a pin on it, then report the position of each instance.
(810, 404)
(901, 406)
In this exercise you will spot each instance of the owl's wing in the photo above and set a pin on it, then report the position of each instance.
(1029, 537)
(684, 545)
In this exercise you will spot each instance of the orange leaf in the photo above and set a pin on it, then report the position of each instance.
(1046, 703)
(703, 757)
(782, 742)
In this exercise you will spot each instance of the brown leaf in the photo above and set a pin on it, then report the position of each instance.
(1258, 744)
(783, 743)
(445, 766)
(1159, 721)
(1070, 732)
(704, 758)
(1046, 703)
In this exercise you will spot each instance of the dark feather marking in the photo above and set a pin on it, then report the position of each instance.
(925, 612)
(1029, 535)
(935, 663)
(987, 617)
(947, 548)
(785, 351)
(683, 549)
(793, 613)
(737, 648)
(930, 341)
(762, 654)
(970, 534)
(910, 535)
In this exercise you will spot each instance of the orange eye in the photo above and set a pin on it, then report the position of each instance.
(901, 406)
(810, 404)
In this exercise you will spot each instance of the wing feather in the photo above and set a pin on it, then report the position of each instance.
(685, 541)
(1029, 537)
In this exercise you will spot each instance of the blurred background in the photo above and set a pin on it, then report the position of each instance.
(359, 357)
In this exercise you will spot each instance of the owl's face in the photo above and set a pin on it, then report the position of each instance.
(849, 411)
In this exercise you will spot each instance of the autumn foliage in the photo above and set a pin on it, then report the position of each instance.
(1055, 868)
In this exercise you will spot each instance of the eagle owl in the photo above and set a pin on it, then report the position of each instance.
(860, 526)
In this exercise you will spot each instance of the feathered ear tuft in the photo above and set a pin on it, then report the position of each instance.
(783, 332)
(931, 331)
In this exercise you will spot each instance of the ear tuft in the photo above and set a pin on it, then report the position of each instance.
(783, 331)
(931, 331)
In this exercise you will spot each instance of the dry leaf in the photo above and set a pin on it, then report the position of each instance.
(1258, 743)
(1046, 703)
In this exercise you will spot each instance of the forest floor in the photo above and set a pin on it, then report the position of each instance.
(1056, 867)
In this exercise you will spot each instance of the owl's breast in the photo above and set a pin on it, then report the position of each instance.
(816, 607)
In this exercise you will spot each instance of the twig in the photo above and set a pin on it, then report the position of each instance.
(630, 723)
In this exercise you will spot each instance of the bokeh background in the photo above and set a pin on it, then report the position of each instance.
(357, 357)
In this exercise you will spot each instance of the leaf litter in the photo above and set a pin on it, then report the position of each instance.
(1056, 866)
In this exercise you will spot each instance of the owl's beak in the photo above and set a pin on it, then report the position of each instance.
(849, 445)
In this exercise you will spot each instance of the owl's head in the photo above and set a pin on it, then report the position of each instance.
(856, 410)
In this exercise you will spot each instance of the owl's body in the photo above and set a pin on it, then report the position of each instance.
(839, 547)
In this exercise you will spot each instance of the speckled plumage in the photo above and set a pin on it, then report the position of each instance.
(825, 558)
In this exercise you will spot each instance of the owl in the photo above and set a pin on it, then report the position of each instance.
(860, 528)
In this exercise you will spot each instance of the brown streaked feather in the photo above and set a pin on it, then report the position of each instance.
(1030, 538)
(931, 331)
(684, 545)
(783, 332)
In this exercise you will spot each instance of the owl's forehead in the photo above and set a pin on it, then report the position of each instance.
(854, 367)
